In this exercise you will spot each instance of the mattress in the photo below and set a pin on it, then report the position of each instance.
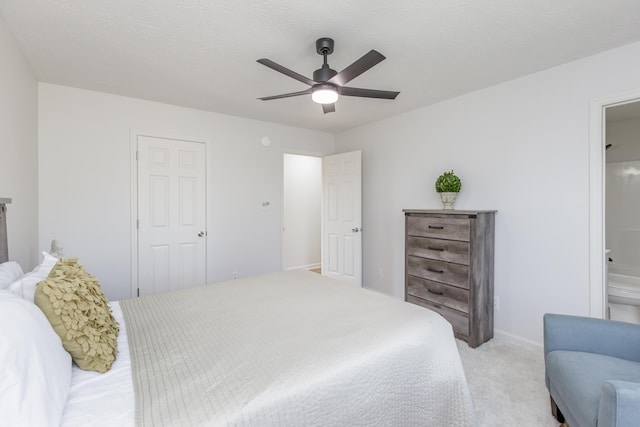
(291, 348)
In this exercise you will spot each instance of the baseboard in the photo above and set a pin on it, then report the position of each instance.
(514, 339)
(304, 267)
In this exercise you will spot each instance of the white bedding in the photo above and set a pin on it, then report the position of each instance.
(107, 400)
(316, 353)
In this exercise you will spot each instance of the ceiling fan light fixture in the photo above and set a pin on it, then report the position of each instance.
(324, 94)
(327, 83)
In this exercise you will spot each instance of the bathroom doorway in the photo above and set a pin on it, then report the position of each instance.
(598, 305)
(622, 210)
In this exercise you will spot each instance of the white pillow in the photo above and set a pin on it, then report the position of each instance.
(36, 370)
(26, 285)
(9, 273)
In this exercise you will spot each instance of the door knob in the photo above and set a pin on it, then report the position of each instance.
(355, 230)
(202, 234)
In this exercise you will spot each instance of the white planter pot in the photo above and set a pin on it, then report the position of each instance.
(448, 200)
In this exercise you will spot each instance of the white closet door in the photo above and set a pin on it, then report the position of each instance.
(171, 214)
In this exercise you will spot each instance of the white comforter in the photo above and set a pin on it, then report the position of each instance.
(289, 349)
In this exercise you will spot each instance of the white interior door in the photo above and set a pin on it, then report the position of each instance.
(342, 217)
(171, 214)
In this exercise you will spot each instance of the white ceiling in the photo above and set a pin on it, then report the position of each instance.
(202, 53)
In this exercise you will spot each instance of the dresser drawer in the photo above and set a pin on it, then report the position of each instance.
(439, 271)
(439, 249)
(459, 321)
(438, 293)
(444, 228)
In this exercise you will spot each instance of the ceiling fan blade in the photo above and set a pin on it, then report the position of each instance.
(287, 72)
(286, 95)
(367, 93)
(369, 59)
(329, 108)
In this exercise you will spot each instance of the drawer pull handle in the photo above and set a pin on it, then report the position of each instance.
(433, 270)
(436, 227)
(434, 292)
(436, 249)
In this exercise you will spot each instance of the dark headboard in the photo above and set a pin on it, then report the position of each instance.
(4, 247)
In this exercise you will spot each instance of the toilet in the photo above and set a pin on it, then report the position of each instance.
(624, 294)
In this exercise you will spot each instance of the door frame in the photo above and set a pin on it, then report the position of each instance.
(597, 140)
(134, 134)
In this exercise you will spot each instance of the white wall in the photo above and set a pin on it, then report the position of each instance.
(18, 150)
(520, 147)
(302, 211)
(85, 180)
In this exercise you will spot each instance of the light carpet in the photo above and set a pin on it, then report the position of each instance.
(507, 387)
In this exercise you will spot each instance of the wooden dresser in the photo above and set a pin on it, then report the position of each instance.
(449, 268)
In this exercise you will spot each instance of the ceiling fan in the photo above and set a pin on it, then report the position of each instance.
(327, 83)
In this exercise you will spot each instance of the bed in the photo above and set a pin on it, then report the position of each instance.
(283, 349)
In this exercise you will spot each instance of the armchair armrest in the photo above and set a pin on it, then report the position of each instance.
(600, 336)
(619, 404)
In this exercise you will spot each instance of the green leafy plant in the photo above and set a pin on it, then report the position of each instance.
(448, 182)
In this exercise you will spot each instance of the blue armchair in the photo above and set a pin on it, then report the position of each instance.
(592, 371)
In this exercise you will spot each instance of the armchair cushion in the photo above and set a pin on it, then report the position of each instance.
(619, 404)
(577, 378)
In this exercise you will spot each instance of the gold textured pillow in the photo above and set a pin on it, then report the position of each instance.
(79, 312)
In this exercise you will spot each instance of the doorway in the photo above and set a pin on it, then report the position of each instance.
(302, 212)
(622, 207)
(322, 215)
(597, 188)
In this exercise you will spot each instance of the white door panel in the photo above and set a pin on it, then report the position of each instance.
(171, 214)
(341, 225)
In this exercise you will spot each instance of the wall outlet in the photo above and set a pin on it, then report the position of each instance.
(380, 272)
(496, 303)
(235, 275)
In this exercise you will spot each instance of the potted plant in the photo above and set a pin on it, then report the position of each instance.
(448, 185)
